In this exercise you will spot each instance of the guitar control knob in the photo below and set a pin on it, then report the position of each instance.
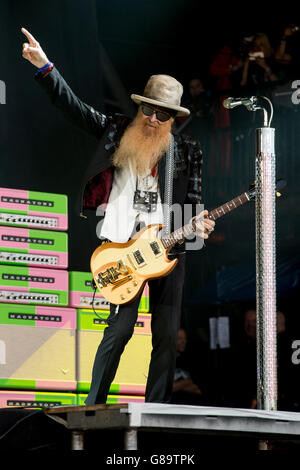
(128, 290)
(122, 297)
(135, 283)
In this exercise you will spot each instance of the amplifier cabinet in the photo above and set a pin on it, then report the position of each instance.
(34, 285)
(37, 347)
(33, 209)
(113, 399)
(37, 248)
(132, 373)
(81, 293)
(34, 399)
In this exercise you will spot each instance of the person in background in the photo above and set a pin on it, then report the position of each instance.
(260, 63)
(185, 390)
(199, 101)
(286, 54)
(201, 105)
(245, 369)
(224, 68)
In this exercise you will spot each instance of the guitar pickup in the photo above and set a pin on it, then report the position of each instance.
(139, 258)
(156, 249)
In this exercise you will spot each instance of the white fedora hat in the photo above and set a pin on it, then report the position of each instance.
(164, 91)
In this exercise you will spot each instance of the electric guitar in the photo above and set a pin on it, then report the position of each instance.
(120, 270)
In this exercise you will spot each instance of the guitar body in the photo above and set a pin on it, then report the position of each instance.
(121, 270)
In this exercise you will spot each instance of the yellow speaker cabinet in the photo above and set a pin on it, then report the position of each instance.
(131, 376)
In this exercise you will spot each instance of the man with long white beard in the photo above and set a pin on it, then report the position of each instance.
(128, 177)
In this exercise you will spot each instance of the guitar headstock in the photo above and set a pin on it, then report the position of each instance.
(280, 184)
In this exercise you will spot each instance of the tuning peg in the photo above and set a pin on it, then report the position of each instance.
(278, 194)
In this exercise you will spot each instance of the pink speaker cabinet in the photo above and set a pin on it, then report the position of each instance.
(33, 209)
(37, 248)
(34, 286)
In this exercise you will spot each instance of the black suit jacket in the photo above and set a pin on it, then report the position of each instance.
(97, 180)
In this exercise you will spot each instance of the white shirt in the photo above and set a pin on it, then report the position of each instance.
(120, 216)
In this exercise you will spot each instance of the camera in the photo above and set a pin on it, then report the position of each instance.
(256, 55)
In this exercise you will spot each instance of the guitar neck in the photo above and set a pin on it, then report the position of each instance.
(228, 206)
(180, 234)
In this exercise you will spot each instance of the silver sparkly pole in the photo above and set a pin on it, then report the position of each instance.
(266, 269)
(265, 254)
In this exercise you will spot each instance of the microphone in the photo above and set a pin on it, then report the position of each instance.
(231, 102)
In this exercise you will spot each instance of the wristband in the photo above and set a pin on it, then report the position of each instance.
(45, 69)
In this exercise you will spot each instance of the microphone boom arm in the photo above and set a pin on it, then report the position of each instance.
(250, 104)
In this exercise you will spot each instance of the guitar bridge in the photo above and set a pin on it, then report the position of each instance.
(121, 281)
(110, 275)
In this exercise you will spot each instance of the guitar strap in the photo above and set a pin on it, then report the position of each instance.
(168, 193)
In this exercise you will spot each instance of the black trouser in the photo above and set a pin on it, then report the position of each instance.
(165, 306)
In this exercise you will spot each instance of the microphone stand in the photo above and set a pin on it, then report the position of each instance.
(266, 314)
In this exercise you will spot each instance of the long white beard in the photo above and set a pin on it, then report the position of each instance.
(141, 146)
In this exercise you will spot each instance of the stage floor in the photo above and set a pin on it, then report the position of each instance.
(133, 418)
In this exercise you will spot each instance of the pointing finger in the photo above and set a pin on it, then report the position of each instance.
(31, 39)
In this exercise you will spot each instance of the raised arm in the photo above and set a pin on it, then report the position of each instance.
(61, 95)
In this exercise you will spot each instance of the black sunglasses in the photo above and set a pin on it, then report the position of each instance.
(160, 115)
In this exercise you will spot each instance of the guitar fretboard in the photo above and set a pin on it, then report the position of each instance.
(180, 234)
(228, 206)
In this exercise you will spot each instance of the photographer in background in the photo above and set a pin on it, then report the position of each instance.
(260, 63)
(287, 53)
